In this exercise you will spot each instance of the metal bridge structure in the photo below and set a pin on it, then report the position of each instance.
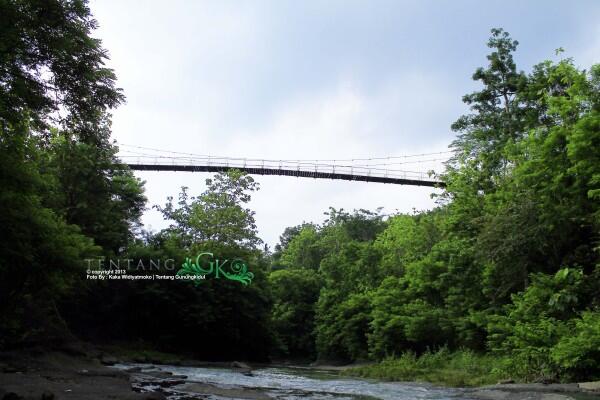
(361, 170)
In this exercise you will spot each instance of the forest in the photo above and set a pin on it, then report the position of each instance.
(504, 272)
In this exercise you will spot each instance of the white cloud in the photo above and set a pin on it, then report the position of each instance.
(252, 80)
(589, 51)
(306, 80)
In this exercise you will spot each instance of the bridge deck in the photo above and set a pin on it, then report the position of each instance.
(344, 173)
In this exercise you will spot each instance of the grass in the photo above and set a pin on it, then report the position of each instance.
(459, 368)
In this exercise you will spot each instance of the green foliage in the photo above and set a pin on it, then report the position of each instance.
(342, 325)
(231, 319)
(407, 239)
(303, 250)
(535, 322)
(498, 117)
(295, 292)
(49, 62)
(64, 196)
(341, 251)
(361, 225)
(486, 269)
(508, 262)
(284, 240)
(217, 215)
(577, 353)
(39, 252)
(94, 191)
(459, 368)
(512, 243)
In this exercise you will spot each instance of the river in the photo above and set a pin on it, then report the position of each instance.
(276, 383)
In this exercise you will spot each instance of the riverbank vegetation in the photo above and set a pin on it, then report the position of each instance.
(460, 368)
(501, 279)
(506, 265)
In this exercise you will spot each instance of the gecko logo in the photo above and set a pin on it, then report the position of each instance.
(206, 265)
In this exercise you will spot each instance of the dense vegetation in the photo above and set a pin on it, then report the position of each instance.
(68, 204)
(503, 276)
(508, 262)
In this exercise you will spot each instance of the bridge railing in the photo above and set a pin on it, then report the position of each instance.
(300, 166)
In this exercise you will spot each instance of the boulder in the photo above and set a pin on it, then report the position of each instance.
(591, 386)
(48, 395)
(242, 368)
(108, 360)
(12, 396)
(238, 364)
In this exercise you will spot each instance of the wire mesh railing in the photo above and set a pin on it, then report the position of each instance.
(333, 168)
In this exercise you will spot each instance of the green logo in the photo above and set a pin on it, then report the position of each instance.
(235, 270)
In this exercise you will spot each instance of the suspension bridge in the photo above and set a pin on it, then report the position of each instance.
(361, 169)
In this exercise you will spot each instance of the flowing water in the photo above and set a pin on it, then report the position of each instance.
(283, 384)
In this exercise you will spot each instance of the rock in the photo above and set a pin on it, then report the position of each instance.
(591, 386)
(153, 396)
(107, 373)
(47, 395)
(242, 368)
(535, 387)
(170, 382)
(12, 396)
(506, 381)
(10, 369)
(163, 379)
(237, 364)
(76, 349)
(227, 393)
(145, 396)
(490, 394)
(160, 374)
(516, 395)
(546, 380)
(108, 360)
(188, 363)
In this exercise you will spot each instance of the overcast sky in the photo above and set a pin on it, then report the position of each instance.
(314, 79)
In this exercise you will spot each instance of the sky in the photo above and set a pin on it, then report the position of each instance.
(314, 80)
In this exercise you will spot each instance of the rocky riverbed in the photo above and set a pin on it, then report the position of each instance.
(86, 376)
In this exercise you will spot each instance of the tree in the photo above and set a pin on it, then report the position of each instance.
(52, 70)
(303, 250)
(217, 215)
(342, 325)
(232, 317)
(407, 238)
(95, 191)
(284, 240)
(295, 293)
(54, 88)
(498, 116)
(536, 321)
(40, 254)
